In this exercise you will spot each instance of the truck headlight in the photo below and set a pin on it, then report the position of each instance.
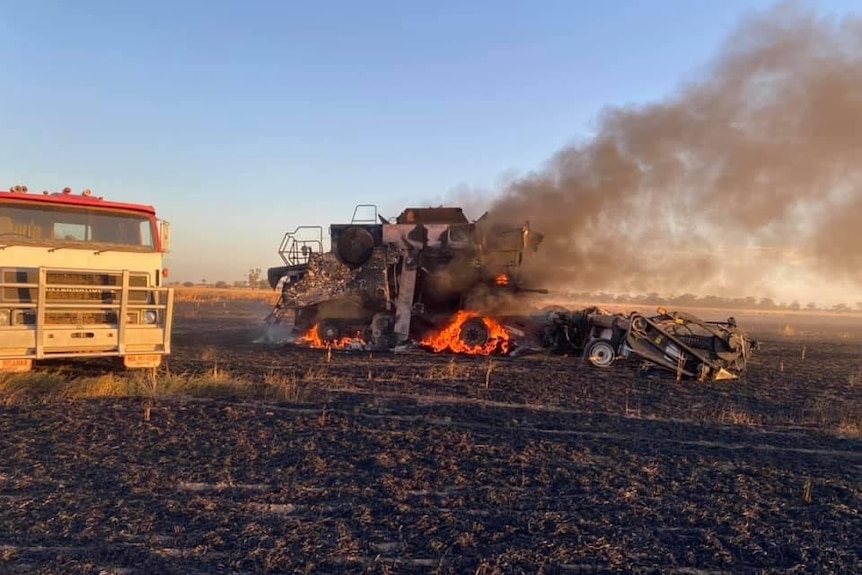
(5, 316)
(150, 317)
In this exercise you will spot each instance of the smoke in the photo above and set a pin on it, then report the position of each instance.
(763, 151)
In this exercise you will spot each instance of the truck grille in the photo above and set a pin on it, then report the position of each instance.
(93, 288)
(68, 317)
(79, 318)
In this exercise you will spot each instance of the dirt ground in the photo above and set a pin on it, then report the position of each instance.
(423, 463)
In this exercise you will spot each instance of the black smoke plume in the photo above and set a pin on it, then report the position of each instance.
(750, 170)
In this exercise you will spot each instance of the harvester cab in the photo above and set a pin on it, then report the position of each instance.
(381, 283)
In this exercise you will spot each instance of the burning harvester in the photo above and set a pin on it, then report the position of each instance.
(422, 278)
(435, 279)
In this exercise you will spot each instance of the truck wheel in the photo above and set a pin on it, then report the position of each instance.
(601, 353)
(474, 332)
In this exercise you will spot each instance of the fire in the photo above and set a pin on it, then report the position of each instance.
(502, 280)
(452, 337)
(312, 339)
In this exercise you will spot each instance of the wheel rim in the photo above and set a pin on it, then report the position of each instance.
(601, 354)
(328, 331)
(474, 333)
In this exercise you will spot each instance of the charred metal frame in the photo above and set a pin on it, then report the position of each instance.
(395, 268)
(382, 280)
(721, 351)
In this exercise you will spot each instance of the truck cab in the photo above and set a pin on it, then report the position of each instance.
(81, 277)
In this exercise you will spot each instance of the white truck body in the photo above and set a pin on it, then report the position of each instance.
(81, 277)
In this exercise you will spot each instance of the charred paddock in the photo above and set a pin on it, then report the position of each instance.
(432, 279)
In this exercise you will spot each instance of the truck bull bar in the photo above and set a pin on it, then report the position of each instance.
(121, 332)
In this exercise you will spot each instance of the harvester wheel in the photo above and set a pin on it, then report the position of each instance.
(328, 330)
(474, 332)
(601, 353)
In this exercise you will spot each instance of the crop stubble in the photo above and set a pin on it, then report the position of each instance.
(416, 463)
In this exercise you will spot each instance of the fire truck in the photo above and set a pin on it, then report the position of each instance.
(81, 277)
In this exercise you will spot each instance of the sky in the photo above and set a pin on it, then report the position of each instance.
(240, 120)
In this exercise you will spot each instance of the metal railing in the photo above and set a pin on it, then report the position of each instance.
(360, 217)
(296, 248)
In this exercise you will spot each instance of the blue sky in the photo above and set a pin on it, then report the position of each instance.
(240, 120)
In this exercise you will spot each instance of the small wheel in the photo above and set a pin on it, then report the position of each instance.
(328, 330)
(601, 353)
(474, 332)
(639, 324)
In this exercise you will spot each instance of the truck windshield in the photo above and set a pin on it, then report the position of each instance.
(75, 227)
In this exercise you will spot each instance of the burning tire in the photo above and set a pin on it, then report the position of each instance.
(328, 331)
(601, 353)
(474, 332)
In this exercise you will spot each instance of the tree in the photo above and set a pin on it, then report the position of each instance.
(254, 277)
(686, 299)
(712, 301)
(188, 284)
(221, 284)
(653, 298)
(767, 303)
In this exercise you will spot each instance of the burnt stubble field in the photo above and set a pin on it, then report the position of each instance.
(422, 463)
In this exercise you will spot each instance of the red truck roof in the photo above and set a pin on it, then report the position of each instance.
(67, 198)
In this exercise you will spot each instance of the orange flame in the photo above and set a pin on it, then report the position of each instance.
(313, 339)
(449, 338)
(502, 280)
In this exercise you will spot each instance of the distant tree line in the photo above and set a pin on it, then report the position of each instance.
(253, 282)
(709, 301)
(239, 284)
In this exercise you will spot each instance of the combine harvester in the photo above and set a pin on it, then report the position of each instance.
(384, 285)
(434, 280)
